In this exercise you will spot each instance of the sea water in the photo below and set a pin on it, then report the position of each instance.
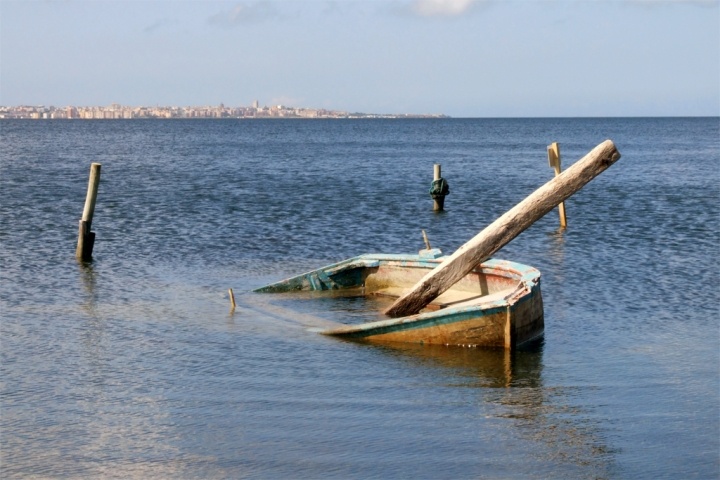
(133, 365)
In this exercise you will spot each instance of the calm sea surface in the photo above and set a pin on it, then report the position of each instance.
(133, 366)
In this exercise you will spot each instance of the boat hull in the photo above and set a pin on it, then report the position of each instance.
(499, 304)
(502, 323)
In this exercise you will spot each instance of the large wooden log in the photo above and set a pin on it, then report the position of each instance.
(504, 229)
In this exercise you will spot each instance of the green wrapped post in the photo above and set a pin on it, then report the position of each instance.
(438, 189)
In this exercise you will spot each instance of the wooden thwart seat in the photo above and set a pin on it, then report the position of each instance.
(448, 298)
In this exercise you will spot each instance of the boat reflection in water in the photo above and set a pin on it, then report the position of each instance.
(475, 367)
(499, 385)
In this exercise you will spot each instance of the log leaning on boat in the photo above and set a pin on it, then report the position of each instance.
(504, 229)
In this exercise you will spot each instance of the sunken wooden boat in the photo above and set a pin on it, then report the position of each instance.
(467, 298)
(497, 304)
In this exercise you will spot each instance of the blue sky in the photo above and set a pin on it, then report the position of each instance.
(464, 58)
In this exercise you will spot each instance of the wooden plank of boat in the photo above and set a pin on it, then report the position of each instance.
(498, 305)
(504, 229)
(504, 319)
(446, 299)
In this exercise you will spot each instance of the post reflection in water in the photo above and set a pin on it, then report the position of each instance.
(93, 332)
(89, 280)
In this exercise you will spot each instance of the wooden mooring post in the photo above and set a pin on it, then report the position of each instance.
(86, 238)
(553, 151)
(504, 229)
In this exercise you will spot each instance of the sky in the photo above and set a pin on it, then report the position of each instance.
(463, 58)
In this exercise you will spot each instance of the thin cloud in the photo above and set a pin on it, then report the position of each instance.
(442, 8)
(656, 4)
(699, 3)
(244, 13)
(157, 26)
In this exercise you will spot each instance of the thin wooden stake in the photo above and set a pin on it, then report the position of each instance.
(553, 151)
(232, 299)
(427, 242)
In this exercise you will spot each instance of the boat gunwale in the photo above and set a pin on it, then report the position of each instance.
(498, 267)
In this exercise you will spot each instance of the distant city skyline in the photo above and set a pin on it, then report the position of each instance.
(464, 58)
(117, 111)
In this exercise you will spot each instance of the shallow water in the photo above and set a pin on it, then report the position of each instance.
(133, 366)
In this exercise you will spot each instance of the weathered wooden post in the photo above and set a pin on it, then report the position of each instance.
(553, 151)
(232, 299)
(425, 239)
(438, 189)
(504, 229)
(86, 238)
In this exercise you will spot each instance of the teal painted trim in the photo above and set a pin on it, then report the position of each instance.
(444, 316)
(321, 279)
(315, 279)
(415, 322)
